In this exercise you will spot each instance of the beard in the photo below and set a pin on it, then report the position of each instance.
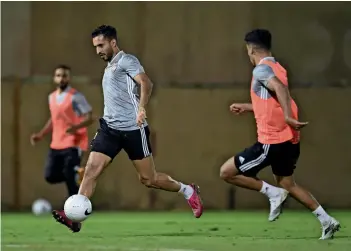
(62, 86)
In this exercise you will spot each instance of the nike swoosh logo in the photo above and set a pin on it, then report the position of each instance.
(328, 230)
(87, 213)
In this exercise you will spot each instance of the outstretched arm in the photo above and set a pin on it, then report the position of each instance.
(239, 108)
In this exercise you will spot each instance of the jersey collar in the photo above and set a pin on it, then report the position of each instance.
(116, 58)
(266, 58)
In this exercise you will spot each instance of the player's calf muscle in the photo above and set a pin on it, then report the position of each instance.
(160, 181)
(166, 182)
(298, 192)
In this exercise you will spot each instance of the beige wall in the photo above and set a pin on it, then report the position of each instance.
(184, 41)
(15, 39)
(195, 135)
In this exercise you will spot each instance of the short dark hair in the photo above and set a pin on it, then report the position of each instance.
(106, 30)
(62, 66)
(259, 37)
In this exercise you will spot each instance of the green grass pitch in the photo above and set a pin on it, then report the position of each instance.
(170, 231)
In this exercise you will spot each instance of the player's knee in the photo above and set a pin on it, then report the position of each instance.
(68, 172)
(223, 174)
(51, 179)
(147, 181)
(228, 170)
(226, 174)
(287, 183)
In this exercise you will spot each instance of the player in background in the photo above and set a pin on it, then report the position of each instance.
(278, 128)
(70, 116)
(124, 125)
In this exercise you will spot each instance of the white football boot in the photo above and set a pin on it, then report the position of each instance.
(277, 204)
(329, 228)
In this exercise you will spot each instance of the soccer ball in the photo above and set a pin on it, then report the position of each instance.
(41, 206)
(77, 208)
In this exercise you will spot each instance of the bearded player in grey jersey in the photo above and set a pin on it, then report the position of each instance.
(124, 126)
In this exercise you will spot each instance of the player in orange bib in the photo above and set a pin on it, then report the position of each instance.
(278, 126)
(70, 116)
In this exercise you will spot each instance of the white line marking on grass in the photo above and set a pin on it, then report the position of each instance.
(161, 249)
(24, 246)
(167, 249)
(16, 246)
